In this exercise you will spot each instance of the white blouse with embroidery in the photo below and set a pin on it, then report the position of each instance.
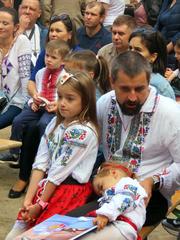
(159, 138)
(16, 68)
(70, 151)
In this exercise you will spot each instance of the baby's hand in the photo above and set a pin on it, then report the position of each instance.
(101, 221)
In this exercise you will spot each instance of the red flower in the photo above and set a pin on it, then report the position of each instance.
(141, 130)
(133, 161)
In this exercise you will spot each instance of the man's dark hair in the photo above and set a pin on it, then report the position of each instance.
(12, 12)
(131, 63)
(155, 43)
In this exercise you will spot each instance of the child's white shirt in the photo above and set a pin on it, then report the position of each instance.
(71, 151)
(127, 199)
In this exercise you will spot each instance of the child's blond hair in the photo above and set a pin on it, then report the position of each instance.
(58, 45)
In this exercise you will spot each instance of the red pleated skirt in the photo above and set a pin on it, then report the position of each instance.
(65, 198)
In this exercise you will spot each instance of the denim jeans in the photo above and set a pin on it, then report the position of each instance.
(7, 117)
(23, 123)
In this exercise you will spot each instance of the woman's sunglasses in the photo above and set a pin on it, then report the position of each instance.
(65, 18)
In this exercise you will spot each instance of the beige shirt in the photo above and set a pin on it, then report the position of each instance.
(109, 53)
(57, 7)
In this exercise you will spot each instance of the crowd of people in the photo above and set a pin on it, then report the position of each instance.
(89, 85)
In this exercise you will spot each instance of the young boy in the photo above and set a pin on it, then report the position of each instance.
(44, 109)
(46, 79)
(122, 203)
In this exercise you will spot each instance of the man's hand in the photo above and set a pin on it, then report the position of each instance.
(147, 184)
(24, 21)
(101, 221)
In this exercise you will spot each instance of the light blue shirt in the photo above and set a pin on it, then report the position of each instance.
(162, 85)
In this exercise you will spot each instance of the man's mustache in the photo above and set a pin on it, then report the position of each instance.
(131, 103)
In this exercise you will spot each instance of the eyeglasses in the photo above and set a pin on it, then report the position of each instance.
(65, 18)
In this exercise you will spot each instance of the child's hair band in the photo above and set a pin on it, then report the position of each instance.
(65, 77)
(119, 166)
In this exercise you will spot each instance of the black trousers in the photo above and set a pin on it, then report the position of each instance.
(156, 209)
(31, 139)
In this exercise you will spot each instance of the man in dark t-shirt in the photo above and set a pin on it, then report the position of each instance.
(93, 35)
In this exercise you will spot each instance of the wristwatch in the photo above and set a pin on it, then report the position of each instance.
(42, 203)
(156, 182)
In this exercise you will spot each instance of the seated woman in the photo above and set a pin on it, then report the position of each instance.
(15, 65)
(169, 25)
(151, 45)
(63, 28)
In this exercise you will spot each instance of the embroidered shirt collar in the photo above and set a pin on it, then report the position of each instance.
(148, 106)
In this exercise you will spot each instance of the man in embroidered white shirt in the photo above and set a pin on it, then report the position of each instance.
(142, 128)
